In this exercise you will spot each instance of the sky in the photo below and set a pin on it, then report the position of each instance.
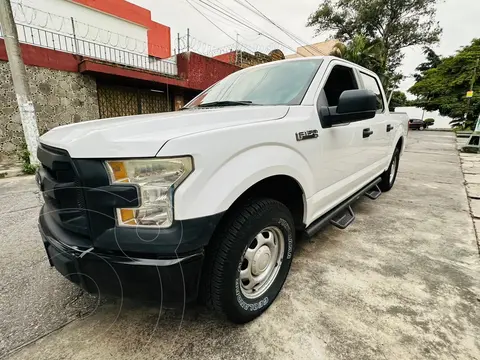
(458, 18)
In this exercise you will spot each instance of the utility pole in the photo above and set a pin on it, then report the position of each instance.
(236, 50)
(474, 74)
(473, 143)
(19, 76)
(474, 77)
(472, 82)
(390, 97)
(75, 36)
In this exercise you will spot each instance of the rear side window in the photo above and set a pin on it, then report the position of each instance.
(371, 83)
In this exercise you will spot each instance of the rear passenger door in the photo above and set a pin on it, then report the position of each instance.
(378, 142)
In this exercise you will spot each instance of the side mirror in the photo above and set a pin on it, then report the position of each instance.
(353, 105)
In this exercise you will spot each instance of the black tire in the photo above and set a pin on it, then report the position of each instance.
(221, 280)
(387, 181)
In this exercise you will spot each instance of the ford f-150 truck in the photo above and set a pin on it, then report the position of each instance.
(206, 203)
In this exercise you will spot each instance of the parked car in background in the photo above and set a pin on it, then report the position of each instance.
(417, 124)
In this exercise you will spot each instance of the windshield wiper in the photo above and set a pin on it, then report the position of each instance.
(225, 103)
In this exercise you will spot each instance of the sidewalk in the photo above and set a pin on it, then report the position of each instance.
(471, 172)
(10, 169)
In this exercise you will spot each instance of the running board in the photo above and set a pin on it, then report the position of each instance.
(374, 193)
(338, 210)
(343, 219)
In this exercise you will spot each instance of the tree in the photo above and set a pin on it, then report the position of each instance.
(444, 87)
(398, 99)
(361, 51)
(433, 60)
(397, 24)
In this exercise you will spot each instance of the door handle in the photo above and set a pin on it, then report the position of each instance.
(367, 132)
(389, 128)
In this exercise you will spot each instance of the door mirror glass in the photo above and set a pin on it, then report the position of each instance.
(353, 105)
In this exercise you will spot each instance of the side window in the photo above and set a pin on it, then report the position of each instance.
(371, 83)
(341, 78)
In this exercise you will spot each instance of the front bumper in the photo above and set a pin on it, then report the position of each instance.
(84, 243)
(161, 277)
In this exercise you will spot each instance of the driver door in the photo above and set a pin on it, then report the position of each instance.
(343, 149)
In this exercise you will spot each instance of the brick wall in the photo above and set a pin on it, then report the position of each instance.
(60, 97)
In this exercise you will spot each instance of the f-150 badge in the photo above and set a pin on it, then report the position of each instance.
(305, 135)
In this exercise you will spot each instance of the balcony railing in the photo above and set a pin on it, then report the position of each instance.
(71, 44)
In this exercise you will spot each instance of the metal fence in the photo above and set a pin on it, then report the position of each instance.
(71, 44)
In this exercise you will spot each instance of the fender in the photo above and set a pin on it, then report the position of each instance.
(211, 192)
(399, 133)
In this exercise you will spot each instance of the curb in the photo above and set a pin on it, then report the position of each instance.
(11, 172)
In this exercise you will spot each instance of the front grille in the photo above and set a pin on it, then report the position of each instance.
(79, 194)
(62, 189)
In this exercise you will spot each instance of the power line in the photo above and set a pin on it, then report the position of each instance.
(288, 33)
(232, 12)
(257, 12)
(220, 17)
(255, 28)
(210, 21)
(265, 34)
(249, 26)
(251, 39)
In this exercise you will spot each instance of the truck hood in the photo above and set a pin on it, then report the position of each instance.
(144, 135)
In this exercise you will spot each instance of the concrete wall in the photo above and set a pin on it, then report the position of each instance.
(201, 71)
(116, 23)
(88, 21)
(158, 34)
(109, 30)
(60, 97)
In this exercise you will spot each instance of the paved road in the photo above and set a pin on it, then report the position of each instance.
(401, 283)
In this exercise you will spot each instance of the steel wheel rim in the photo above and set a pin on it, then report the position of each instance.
(393, 170)
(261, 262)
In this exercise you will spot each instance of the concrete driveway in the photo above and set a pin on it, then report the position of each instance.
(401, 283)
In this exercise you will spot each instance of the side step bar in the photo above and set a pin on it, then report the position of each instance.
(374, 193)
(342, 214)
(343, 219)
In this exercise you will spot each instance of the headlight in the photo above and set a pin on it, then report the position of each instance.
(157, 180)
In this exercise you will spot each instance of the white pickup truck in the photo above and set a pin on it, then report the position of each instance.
(206, 203)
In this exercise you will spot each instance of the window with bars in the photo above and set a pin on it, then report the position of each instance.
(114, 101)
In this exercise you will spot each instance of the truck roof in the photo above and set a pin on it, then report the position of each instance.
(307, 58)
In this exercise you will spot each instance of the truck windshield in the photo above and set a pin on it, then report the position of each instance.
(282, 83)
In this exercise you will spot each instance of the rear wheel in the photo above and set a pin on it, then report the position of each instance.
(389, 176)
(249, 260)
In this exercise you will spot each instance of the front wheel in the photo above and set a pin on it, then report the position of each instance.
(249, 259)
(389, 176)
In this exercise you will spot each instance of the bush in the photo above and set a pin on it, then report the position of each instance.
(429, 121)
(28, 168)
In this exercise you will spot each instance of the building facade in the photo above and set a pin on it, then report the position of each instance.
(324, 48)
(90, 59)
(245, 59)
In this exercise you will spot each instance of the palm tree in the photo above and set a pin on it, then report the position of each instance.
(363, 52)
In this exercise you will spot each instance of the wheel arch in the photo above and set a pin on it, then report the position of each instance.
(400, 144)
(283, 188)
